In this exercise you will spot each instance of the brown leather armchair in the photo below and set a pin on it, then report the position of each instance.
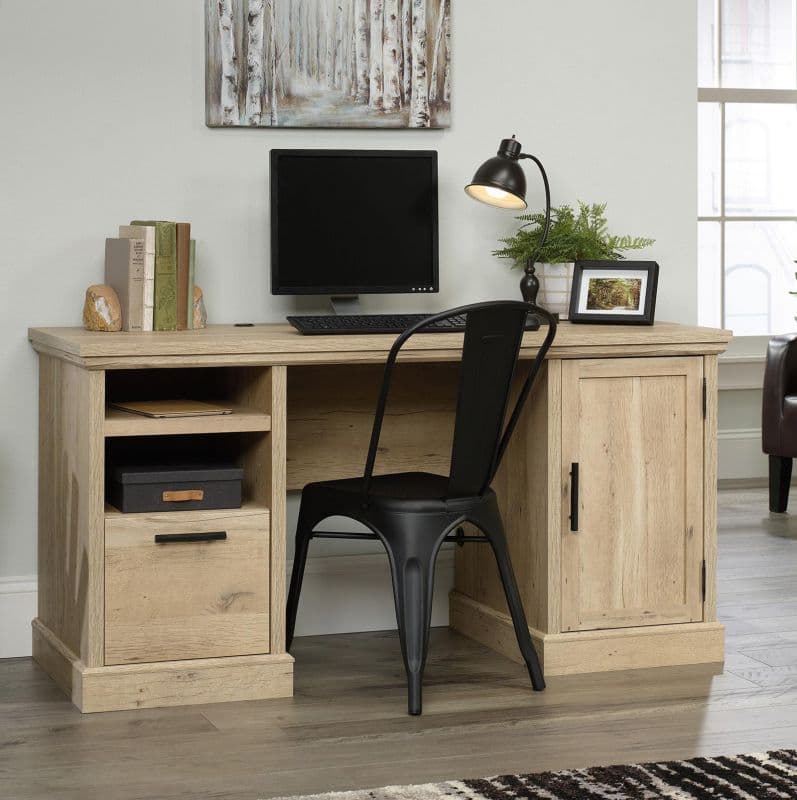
(779, 416)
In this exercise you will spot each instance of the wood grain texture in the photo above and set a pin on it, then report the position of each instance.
(556, 423)
(522, 485)
(281, 344)
(162, 684)
(579, 652)
(166, 603)
(242, 420)
(70, 503)
(53, 656)
(635, 428)
(192, 682)
(331, 414)
(203, 519)
(437, 356)
(319, 394)
(187, 599)
(711, 375)
(274, 483)
(251, 387)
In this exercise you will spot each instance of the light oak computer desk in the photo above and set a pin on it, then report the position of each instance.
(124, 623)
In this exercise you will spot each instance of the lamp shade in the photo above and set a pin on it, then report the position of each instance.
(500, 181)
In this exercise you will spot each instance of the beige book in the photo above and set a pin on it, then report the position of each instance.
(165, 303)
(124, 273)
(147, 234)
(172, 408)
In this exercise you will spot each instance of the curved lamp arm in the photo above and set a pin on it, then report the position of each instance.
(530, 283)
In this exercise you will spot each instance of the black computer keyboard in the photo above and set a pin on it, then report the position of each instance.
(382, 323)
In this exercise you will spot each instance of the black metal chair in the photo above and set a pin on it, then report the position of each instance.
(414, 513)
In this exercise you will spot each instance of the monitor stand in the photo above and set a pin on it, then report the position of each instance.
(347, 305)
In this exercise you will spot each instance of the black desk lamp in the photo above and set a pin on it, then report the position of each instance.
(501, 182)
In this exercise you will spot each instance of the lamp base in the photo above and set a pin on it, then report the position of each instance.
(529, 283)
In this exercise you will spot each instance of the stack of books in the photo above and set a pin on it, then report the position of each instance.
(151, 267)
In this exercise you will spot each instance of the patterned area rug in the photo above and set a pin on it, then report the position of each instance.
(763, 776)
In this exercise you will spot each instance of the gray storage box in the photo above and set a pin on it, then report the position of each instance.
(181, 487)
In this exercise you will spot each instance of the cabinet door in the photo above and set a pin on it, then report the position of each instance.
(634, 427)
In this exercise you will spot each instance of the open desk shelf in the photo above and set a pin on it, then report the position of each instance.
(242, 420)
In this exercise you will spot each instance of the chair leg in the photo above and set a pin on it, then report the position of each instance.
(779, 481)
(412, 562)
(304, 533)
(498, 541)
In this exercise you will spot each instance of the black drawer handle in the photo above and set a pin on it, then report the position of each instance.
(574, 497)
(170, 538)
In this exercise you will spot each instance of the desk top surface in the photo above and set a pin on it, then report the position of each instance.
(281, 344)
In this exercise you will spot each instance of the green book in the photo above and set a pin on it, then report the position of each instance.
(191, 279)
(165, 306)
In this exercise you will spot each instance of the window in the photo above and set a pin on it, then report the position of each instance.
(747, 164)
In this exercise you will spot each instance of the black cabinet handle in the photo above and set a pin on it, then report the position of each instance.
(574, 496)
(172, 538)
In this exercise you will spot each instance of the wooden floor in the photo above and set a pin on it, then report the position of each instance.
(346, 726)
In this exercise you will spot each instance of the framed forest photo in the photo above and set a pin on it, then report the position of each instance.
(328, 63)
(618, 292)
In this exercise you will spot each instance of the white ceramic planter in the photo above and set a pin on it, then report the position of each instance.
(556, 281)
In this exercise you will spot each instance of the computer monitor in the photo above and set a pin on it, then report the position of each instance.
(348, 222)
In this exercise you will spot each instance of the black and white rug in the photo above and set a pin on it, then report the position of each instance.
(761, 776)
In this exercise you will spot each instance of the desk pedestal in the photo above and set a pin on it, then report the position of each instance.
(617, 566)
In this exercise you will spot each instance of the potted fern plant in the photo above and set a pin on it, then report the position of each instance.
(580, 234)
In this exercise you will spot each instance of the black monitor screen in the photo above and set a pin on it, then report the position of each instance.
(348, 221)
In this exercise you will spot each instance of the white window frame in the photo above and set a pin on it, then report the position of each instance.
(723, 96)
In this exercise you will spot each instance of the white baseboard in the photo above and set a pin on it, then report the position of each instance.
(17, 609)
(341, 594)
(740, 455)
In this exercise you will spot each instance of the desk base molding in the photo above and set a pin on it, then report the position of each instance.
(593, 651)
(164, 683)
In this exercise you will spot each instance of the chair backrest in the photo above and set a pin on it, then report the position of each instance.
(493, 335)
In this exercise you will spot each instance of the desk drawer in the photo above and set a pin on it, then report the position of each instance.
(193, 587)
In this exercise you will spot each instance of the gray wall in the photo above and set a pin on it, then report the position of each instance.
(103, 122)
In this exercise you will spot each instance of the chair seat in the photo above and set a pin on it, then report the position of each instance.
(409, 492)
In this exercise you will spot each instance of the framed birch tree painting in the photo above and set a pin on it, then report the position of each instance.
(328, 63)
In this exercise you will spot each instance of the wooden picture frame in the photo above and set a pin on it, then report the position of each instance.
(614, 292)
